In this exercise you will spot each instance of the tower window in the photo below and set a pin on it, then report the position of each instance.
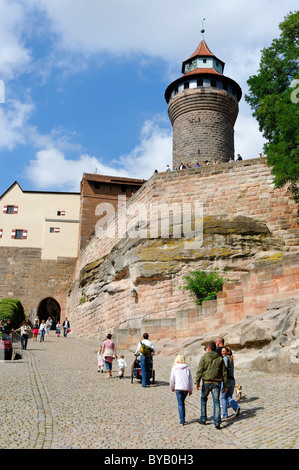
(224, 86)
(176, 90)
(213, 83)
(204, 61)
(200, 82)
(186, 85)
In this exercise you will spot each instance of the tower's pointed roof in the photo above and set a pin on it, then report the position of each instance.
(203, 51)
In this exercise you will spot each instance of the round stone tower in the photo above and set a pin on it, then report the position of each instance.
(203, 108)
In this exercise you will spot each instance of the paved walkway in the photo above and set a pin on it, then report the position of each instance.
(54, 398)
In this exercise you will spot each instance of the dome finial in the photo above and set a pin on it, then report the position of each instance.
(202, 29)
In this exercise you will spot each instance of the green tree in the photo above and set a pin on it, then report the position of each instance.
(204, 285)
(13, 309)
(273, 95)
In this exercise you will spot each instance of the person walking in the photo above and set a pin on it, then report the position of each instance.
(226, 397)
(219, 345)
(24, 331)
(146, 350)
(66, 327)
(121, 366)
(212, 372)
(109, 354)
(100, 360)
(181, 382)
(42, 331)
(48, 326)
(58, 328)
(35, 329)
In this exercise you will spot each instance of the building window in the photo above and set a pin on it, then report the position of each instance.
(176, 90)
(186, 85)
(10, 209)
(200, 82)
(97, 185)
(213, 83)
(123, 189)
(204, 61)
(224, 86)
(19, 234)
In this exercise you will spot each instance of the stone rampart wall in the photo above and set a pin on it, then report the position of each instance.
(108, 268)
(27, 277)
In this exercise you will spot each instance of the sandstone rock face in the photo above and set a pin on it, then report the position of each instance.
(249, 232)
(267, 342)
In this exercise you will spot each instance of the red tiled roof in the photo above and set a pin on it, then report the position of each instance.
(202, 50)
(112, 179)
(205, 70)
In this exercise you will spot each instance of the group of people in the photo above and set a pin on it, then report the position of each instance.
(42, 328)
(107, 353)
(216, 371)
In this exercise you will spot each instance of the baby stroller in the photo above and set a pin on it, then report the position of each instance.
(136, 371)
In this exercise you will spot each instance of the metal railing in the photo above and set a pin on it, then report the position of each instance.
(17, 345)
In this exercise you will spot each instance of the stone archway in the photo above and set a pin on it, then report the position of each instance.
(49, 307)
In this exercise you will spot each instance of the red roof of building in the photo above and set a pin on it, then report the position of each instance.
(202, 50)
(206, 70)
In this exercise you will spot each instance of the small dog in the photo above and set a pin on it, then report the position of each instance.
(238, 391)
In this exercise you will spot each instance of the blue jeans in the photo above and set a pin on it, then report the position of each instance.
(145, 365)
(181, 396)
(42, 335)
(227, 398)
(214, 388)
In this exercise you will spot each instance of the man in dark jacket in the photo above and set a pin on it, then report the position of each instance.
(212, 372)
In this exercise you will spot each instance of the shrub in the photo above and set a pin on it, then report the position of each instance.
(13, 309)
(204, 285)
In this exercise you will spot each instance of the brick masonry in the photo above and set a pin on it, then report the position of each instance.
(203, 126)
(25, 276)
(226, 190)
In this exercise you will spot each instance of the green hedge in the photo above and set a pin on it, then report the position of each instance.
(13, 309)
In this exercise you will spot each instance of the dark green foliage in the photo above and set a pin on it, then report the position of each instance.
(204, 285)
(13, 309)
(273, 95)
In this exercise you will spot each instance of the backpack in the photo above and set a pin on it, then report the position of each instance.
(145, 349)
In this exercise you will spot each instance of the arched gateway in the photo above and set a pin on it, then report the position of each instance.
(49, 307)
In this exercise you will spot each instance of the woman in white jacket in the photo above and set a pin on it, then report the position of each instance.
(181, 383)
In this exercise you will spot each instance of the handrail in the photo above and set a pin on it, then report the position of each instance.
(17, 344)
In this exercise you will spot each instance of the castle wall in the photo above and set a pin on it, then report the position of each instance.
(29, 278)
(103, 301)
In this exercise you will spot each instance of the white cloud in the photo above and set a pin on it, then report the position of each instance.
(154, 151)
(14, 56)
(51, 169)
(248, 139)
(14, 117)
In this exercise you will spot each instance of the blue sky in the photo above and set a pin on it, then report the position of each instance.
(83, 81)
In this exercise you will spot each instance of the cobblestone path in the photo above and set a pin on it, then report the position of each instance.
(54, 398)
